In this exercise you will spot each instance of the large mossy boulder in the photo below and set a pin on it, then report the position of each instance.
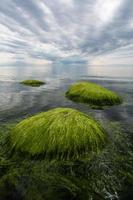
(93, 94)
(33, 83)
(60, 133)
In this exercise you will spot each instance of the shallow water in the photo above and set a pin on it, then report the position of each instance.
(18, 101)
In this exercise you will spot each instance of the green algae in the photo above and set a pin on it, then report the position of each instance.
(33, 83)
(62, 133)
(92, 94)
(106, 175)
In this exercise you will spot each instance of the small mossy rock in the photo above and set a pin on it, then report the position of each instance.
(33, 83)
(93, 94)
(59, 133)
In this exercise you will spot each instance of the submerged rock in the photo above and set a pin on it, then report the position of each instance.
(61, 133)
(33, 83)
(93, 94)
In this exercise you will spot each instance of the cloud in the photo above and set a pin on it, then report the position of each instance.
(66, 31)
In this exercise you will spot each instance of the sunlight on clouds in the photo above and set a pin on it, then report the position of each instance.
(106, 9)
(73, 30)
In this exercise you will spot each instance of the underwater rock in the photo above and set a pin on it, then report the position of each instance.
(93, 94)
(60, 133)
(33, 83)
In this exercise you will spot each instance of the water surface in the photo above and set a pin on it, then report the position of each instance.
(18, 101)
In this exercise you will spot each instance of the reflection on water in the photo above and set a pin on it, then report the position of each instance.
(17, 100)
(65, 71)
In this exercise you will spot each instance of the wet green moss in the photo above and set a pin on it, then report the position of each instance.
(33, 83)
(60, 133)
(93, 94)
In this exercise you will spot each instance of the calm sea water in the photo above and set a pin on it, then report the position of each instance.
(18, 101)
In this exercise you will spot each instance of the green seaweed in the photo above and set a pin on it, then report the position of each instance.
(106, 176)
(33, 83)
(93, 94)
(62, 133)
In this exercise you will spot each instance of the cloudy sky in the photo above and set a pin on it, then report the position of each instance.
(68, 31)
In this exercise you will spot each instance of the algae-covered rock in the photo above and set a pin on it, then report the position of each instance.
(99, 178)
(93, 94)
(59, 133)
(33, 83)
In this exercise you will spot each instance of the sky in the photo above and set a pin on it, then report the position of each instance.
(97, 32)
